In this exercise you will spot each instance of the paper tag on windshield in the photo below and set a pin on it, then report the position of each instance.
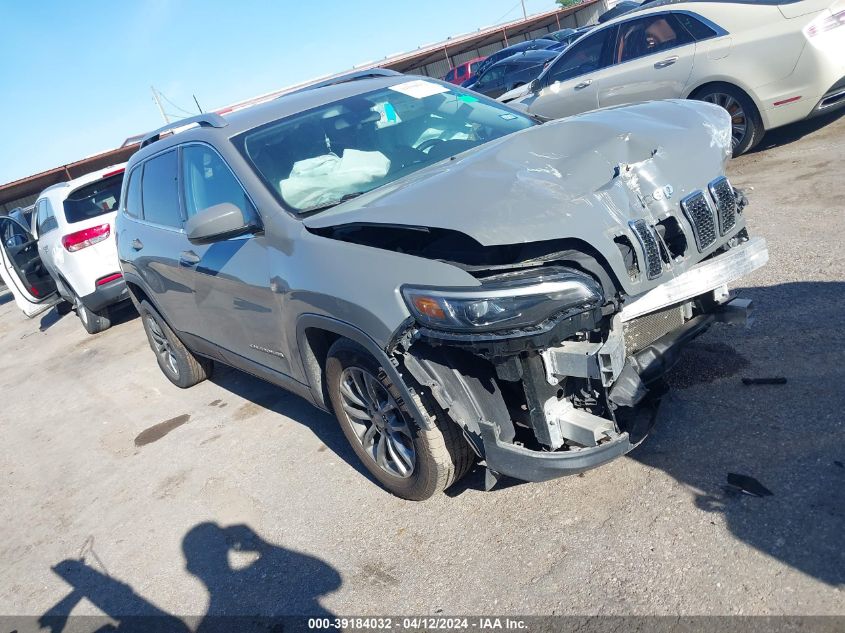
(419, 88)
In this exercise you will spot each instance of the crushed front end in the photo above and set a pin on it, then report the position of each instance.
(541, 394)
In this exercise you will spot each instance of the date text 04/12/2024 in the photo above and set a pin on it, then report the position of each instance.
(426, 623)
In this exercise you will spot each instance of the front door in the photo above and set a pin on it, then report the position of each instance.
(571, 84)
(22, 270)
(236, 308)
(653, 59)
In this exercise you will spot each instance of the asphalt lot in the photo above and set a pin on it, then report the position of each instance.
(247, 499)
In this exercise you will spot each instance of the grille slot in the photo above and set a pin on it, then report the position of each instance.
(645, 330)
(726, 207)
(700, 216)
(651, 249)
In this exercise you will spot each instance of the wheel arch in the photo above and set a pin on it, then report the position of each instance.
(731, 83)
(314, 336)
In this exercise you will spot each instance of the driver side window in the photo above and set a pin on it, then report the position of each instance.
(492, 76)
(587, 55)
(208, 181)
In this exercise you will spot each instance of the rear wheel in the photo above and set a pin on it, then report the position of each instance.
(179, 364)
(64, 307)
(93, 322)
(746, 125)
(409, 460)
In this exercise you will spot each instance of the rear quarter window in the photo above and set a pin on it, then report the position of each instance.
(94, 199)
(132, 204)
(698, 29)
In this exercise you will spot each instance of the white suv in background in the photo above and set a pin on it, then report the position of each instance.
(69, 251)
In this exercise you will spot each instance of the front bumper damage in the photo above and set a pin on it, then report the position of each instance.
(583, 402)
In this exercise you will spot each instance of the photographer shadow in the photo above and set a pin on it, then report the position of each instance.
(252, 584)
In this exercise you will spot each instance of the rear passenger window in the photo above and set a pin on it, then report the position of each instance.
(208, 181)
(695, 27)
(132, 204)
(160, 191)
(450, 75)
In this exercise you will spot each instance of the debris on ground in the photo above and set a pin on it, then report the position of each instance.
(764, 381)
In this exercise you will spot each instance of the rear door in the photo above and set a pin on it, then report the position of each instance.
(158, 241)
(571, 84)
(22, 270)
(652, 59)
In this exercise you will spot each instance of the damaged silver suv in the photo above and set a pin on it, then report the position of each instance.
(453, 279)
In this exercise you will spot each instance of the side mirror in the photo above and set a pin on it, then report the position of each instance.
(534, 86)
(219, 222)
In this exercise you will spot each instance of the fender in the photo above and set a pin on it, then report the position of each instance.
(341, 328)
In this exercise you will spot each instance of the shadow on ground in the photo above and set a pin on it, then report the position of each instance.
(789, 437)
(278, 400)
(796, 131)
(119, 314)
(250, 583)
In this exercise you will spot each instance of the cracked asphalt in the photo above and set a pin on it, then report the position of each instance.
(123, 494)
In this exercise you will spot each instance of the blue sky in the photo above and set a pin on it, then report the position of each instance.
(75, 76)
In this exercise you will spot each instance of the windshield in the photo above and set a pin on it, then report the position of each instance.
(319, 158)
(95, 199)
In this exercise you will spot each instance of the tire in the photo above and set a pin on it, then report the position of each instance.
(93, 322)
(735, 101)
(441, 456)
(64, 307)
(179, 364)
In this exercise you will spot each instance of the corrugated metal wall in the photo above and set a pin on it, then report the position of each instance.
(21, 202)
(586, 15)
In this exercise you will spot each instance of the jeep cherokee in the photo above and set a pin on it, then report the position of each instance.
(453, 279)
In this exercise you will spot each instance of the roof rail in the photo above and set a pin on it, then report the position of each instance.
(355, 75)
(209, 119)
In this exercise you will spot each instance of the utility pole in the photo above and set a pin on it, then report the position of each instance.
(524, 14)
(160, 108)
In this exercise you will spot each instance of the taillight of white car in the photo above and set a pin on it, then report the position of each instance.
(85, 238)
(825, 23)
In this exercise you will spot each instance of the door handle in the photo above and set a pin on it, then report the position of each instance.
(189, 258)
(667, 62)
(584, 84)
(137, 244)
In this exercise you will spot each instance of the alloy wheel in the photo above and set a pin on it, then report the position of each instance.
(377, 422)
(739, 120)
(163, 349)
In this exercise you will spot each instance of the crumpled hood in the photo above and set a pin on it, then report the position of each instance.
(582, 177)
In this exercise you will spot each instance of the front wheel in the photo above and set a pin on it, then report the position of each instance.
(746, 125)
(409, 460)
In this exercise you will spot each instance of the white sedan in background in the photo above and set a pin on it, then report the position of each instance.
(767, 62)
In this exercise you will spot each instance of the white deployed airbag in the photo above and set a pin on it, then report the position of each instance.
(323, 179)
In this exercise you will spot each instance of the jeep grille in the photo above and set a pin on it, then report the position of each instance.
(700, 216)
(651, 249)
(725, 199)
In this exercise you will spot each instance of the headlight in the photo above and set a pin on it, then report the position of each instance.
(504, 302)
